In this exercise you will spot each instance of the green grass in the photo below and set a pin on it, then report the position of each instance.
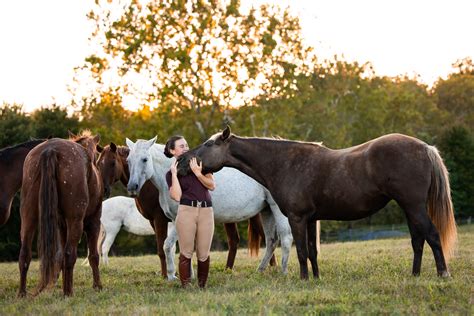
(356, 278)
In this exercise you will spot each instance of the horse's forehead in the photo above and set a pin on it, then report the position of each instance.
(215, 136)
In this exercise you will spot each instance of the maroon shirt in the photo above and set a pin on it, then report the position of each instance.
(191, 187)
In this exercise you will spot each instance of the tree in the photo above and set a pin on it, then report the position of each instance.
(456, 94)
(457, 146)
(14, 125)
(53, 121)
(198, 55)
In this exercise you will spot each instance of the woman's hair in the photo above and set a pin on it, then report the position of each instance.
(170, 145)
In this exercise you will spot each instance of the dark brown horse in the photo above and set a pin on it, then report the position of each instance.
(113, 166)
(11, 171)
(62, 192)
(311, 182)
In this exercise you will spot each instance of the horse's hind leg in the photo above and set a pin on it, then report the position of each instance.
(92, 230)
(233, 240)
(286, 239)
(74, 229)
(169, 247)
(312, 249)
(28, 229)
(420, 222)
(417, 243)
(269, 227)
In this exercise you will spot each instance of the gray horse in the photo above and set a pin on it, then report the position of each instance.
(237, 197)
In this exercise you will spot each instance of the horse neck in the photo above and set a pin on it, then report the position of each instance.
(12, 164)
(244, 155)
(161, 165)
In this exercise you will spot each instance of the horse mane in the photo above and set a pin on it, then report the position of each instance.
(83, 135)
(284, 140)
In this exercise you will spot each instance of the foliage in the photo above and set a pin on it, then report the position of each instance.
(457, 146)
(195, 54)
(456, 94)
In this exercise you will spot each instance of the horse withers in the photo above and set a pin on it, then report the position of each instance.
(62, 195)
(312, 182)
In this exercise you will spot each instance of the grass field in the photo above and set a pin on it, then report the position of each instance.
(356, 278)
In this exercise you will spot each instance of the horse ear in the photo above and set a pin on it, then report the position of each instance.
(113, 147)
(71, 134)
(151, 142)
(129, 143)
(97, 138)
(99, 148)
(226, 133)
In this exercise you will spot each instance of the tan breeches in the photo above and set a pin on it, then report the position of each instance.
(195, 227)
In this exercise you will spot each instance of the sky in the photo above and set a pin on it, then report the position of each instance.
(42, 41)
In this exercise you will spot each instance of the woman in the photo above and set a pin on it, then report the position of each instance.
(195, 219)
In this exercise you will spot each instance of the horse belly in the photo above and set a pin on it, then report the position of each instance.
(352, 210)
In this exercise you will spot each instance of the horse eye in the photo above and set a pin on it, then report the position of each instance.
(145, 160)
(209, 143)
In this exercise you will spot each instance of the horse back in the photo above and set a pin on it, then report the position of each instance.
(356, 182)
(77, 180)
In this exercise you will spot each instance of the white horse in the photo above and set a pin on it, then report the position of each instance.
(237, 197)
(118, 212)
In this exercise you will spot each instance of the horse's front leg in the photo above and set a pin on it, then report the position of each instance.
(312, 248)
(299, 230)
(92, 230)
(169, 248)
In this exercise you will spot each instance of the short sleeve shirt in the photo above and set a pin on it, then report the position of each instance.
(191, 187)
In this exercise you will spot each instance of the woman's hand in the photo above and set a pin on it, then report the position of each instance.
(174, 168)
(195, 166)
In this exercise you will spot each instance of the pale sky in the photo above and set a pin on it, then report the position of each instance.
(42, 41)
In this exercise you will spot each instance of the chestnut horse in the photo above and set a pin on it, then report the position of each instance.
(113, 166)
(312, 182)
(62, 195)
(11, 169)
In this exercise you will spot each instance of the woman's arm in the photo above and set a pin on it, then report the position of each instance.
(206, 180)
(175, 189)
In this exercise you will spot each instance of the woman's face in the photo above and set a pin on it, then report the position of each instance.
(180, 147)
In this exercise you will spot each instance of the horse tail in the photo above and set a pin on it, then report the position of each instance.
(440, 205)
(255, 229)
(101, 239)
(48, 239)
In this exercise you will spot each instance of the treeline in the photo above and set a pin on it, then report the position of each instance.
(196, 67)
(338, 104)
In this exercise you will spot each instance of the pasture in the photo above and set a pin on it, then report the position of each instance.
(356, 278)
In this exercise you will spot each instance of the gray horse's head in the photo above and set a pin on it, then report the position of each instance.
(213, 153)
(140, 164)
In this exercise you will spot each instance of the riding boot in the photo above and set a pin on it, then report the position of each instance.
(184, 270)
(203, 272)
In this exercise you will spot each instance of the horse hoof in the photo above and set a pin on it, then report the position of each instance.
(98, 287)
(21, 294)
(172, 278)
(444, 274)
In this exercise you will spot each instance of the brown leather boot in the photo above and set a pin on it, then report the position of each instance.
(203, 272)
(184, 270)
